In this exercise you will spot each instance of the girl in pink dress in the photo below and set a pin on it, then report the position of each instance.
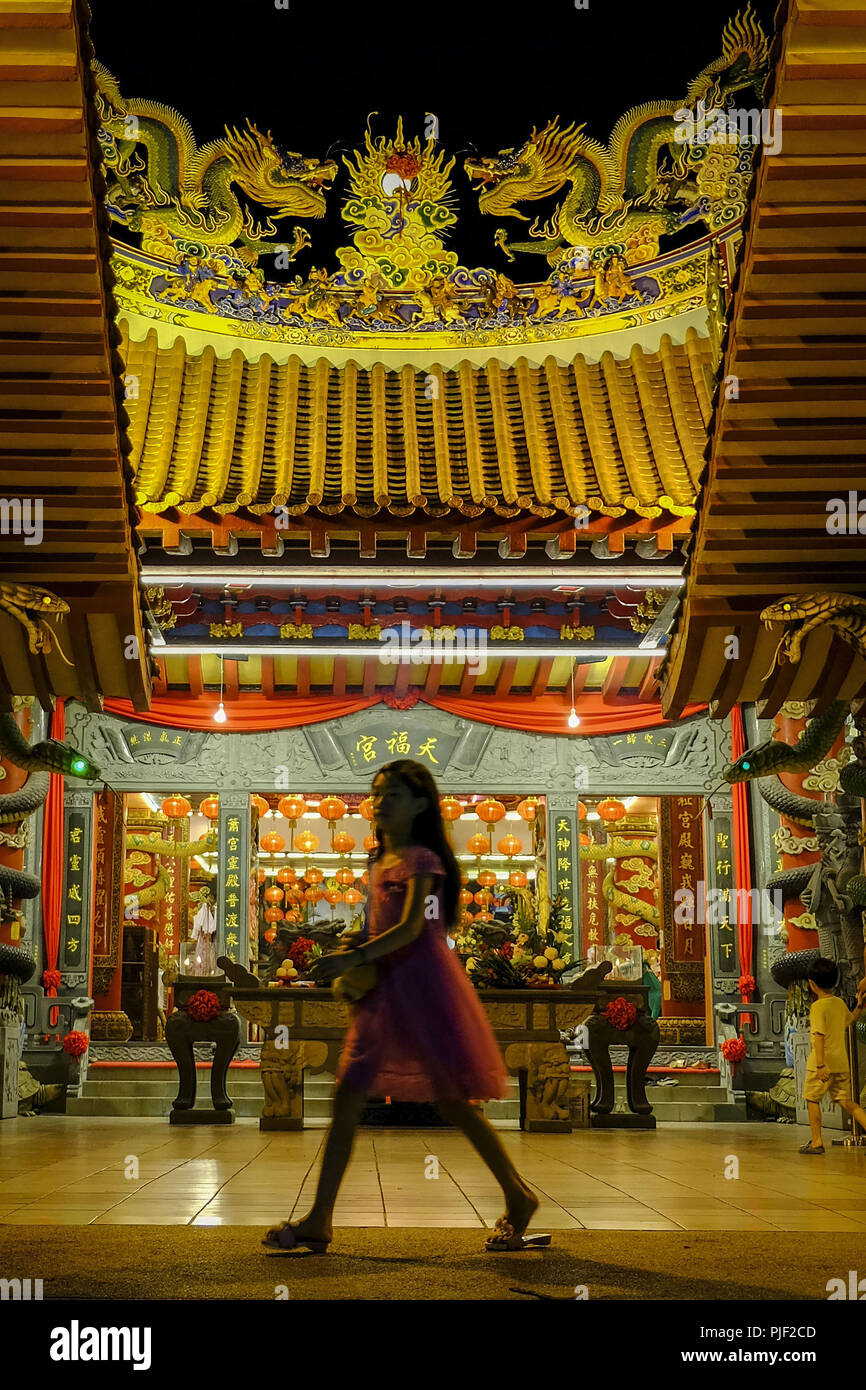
(420, 1033)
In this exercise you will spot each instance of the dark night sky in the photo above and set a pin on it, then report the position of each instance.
(311, 73)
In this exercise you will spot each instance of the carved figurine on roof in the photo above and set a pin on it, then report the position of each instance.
(181, 197)
(664, 166)
(663, 169)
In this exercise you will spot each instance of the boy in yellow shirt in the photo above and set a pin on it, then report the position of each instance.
(827, 1067)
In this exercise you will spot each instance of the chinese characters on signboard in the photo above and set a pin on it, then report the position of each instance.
(592, 908)
(382, 741)
(723, 931)
(234, 902)
(562, 842)
(686, 850)
(74, 919)
(141, 742)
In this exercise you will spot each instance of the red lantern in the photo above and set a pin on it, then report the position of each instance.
(345, 876)
(517, 879)
(610, 810)
(465, 897)
(175, 807)
(332, 809)
(352, 896)
(451, 808)
(210, 807)
(370, 843)
(581, 811)
(528, 809)
(260, 875)
(260, 804)
(306, 842)
(365, 878)
(490, 811)
(584, 839)
(270, 935)
(342, 842)
(314, 895)
(487, 878)
(333, 896)
(313, 875)
(292, 807)
(272, 843)
(295, 894)
(286, 874)
(273, 894)
(484, 916)
(483, 898)
(366, 808)
(294, 914)
(509, 845)
(478, 844)
(273, 914)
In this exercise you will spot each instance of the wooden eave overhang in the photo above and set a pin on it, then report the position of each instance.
(788, 432)
(63, 446)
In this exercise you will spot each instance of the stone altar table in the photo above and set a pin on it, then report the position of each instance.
(304, 1030)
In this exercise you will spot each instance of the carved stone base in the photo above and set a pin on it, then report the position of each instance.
(292, 1122)
(201, 1117)
(599, 1121)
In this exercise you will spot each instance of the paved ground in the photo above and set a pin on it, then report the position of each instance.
(67, 1171)
(144, 1262)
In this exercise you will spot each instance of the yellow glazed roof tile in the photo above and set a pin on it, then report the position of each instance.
(615, 436)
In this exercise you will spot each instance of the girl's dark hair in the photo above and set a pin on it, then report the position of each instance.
(428, 828)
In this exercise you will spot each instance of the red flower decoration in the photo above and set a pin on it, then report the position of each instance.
(746, 986)
(402, 701)
(733, 1049)
(621, 1013)
(204, 1005)
(75, 1044)
(508, 949)
(51, 981)
(300, 953)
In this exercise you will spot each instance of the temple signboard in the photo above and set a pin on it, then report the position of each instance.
(75, 922)
(382, 741)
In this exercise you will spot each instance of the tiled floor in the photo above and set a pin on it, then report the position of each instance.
(79, 1171)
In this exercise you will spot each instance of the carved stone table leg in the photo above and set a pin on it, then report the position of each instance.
(643, 1039)
(178, 1037)
(282, 1068)
(547, 1071)
(227, 1035)
(598, 1034)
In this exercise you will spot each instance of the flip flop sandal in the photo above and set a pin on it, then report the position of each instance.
(504, 1238)
(316, 1247)
(810, 1148)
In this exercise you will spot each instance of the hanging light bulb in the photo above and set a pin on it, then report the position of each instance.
(220, 715)
(573, 719)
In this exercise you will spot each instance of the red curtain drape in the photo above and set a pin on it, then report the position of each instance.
(247, 715)
(52, 854)
(252, 712)
(546, 714)
(742, 862)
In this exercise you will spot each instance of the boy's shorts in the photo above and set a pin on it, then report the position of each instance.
(838, 1087)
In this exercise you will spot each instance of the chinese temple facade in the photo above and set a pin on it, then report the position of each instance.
(305, 509)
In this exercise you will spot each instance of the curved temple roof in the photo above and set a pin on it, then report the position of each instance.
(226, 433)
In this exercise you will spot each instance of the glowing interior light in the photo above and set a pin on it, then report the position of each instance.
(220, 715)
(573, 719)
